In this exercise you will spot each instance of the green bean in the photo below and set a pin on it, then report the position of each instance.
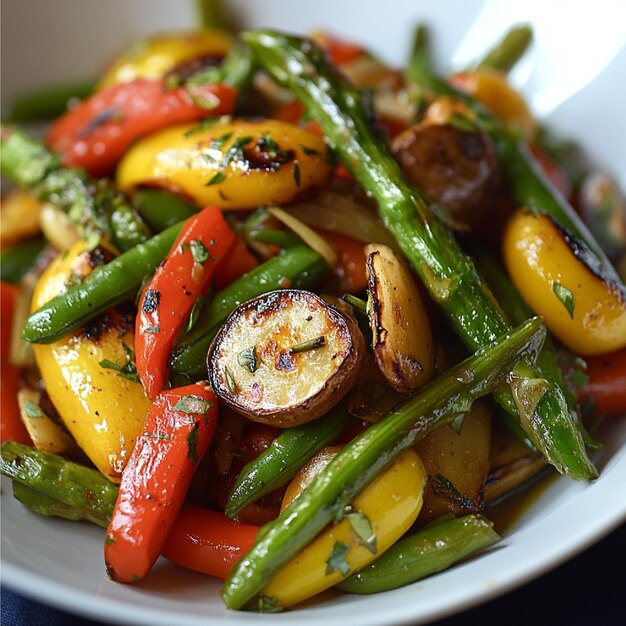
(277, 465)
(161, 209)
(17, 260)
(47, 103)
(105, 287)
(79, 490)
(298, 267)
(370, 453)
(507, 52)
(446, 271)
(430, 550)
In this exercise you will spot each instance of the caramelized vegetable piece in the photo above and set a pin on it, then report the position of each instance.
(584, 308)
(19, 213)
(376, 519)
(177, 431)
(285, 358)
(454, 168)
(457, 462)
(491, 88)
(168, 53)
(89, 374)
(236, 164)
(401, 334)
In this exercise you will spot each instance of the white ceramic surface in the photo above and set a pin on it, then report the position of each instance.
(574, 76)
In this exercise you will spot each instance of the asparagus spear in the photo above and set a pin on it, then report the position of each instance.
(62, 486)
(506, 53)
(93, 206)
(433, 549)
(449, 275)
(370, 453)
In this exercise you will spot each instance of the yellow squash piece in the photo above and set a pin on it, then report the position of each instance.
(492, 88)
(151, 58)
(103, 410)
(585, 311)
(391, 504)
(235, 164)
(19, 217)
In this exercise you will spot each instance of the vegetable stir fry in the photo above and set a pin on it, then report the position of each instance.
(293, 318)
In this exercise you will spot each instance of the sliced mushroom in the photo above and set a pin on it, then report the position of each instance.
(285, 358)
(456, 169)
(401, 335)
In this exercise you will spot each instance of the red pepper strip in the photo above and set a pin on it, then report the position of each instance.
(168, 299)
(96, 133)
(207, 542)
(178, 429)
(11, 426)
(606, 384)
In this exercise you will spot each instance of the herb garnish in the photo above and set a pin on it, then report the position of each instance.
(296, 173)
(267, 604)
(230, 381)
(363, 528)
(128, 370)
(308, 151)
(235, 152)
(248, 358)
(445, 485)
(199, 253)
(192, 404)
(336, 562)
(32, 410)
(195, 312)
(217, 179)
(311, 344)
(565, 296)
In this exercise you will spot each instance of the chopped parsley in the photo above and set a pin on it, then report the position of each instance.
(32, 411)
(565, 296)
(363, 528)
(128, 370)
(311, 344)
(230, 381)
(217, 179)
(336, 562)
(192, 405)
(296, 173)
(195, 312)
(249, 359)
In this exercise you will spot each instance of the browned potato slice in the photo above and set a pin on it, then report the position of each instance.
(457, 464)
(401, 334)
(285, 358)
(454, 168)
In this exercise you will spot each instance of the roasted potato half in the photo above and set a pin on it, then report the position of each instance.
(285, 358)
(401, 335)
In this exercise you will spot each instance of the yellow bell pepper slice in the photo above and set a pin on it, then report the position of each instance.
(390, 504)
(103, 410)
(585, 311)
(153, 57)
(234, 164)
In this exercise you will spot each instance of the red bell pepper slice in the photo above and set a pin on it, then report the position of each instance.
(11, 426)
(96, 133)
(605, 386)
(167, 301)
(207, 541)
(178, 429)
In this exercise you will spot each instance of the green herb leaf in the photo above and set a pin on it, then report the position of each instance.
(362, 526)
(109, 540)
(248, 358)
(457, 423)
(160, 436)
(230, 380)
(565, 296)
(311, 344)
(309, 151)
(579, 378)
(128, 370)
(296, 173)
(336, 562)
(206, 124)
(195, 312)
(192, 405)
(446, 486)
(235, 152)
(32, 411)
(219, 142)
(462, 123)
(152, 329)
(217, 179)
(266, 604)
(199, 253)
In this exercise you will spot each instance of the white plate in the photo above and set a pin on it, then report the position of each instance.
(573, 76)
